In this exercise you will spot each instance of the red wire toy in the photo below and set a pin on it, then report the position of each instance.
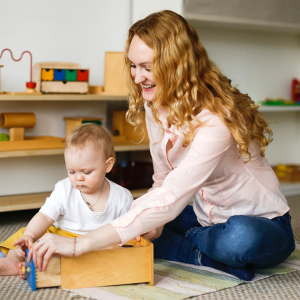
(30, 84)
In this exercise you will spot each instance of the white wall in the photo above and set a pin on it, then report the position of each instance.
(69, 31)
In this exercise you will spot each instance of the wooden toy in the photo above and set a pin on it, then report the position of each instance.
(287, 173)
(295, 90)
(61, 77)
(95, 89)
(114, 74)
(71, 123)
(17, 122)
(124, 133)
(29, 85)
(114, 265)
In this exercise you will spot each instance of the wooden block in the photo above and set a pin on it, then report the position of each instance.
(114, 74)
(127, 130)
(71, 123)
(16, 134)
(95, 89)
(9, 120)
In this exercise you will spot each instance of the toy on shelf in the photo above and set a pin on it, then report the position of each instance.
(30, 85)
(124, 133)
(114, 265)
(287, 173)
(71, 123)
(16, 123)
(114, 74)
(61, 77)
(296, 90)
(278, 102)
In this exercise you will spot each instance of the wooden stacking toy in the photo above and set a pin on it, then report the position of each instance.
(114, 265)
(16, 123)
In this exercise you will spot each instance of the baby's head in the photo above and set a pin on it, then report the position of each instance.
(89, 155)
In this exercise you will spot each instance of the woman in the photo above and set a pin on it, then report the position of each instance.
(207, 144)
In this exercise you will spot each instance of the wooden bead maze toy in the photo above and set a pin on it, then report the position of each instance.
(114, 265)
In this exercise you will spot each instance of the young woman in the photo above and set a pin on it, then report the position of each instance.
(207, 142)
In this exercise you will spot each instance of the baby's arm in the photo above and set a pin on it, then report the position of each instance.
(37, 226)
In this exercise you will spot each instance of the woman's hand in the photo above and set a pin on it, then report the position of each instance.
(25, 242)
(152, 234)
(48, 245)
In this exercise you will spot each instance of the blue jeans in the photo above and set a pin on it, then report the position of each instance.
(240, 241)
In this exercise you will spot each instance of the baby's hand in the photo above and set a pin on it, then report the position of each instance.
(25, 242)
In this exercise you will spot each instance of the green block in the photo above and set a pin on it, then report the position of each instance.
(4, 137)
(71, 75)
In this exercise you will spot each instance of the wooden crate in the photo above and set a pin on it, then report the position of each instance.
(114, 265)
(123, 132)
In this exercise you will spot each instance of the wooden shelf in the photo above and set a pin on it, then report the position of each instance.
(279, 108)
(34, 201)
(63, 97)
(42, 152)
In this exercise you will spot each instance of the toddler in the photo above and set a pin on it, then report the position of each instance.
(84, 201)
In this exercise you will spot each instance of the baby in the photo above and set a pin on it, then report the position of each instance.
(84, 201)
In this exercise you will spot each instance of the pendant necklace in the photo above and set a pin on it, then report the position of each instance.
(91, 205)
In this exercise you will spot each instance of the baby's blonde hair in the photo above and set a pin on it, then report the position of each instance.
(97, 135)
(187, 82)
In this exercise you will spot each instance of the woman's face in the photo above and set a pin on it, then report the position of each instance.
(140, 56)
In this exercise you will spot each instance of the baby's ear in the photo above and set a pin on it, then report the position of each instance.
(109, 164)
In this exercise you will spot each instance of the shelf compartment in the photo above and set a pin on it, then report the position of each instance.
(34, 201)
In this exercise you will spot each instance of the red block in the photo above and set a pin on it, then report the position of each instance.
(82, 75)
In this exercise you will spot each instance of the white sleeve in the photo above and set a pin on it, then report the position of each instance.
(53, 206)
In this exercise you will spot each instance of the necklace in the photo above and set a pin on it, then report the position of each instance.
(91, 205)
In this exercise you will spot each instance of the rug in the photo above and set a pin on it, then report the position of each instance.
(176, 281)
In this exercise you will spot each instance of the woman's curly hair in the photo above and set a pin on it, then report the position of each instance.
(187, 81)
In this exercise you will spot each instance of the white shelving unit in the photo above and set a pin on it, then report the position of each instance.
(36, 200)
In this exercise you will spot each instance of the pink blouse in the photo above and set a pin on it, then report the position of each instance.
(208, 172)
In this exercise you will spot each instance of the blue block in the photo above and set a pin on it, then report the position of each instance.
(30, 276)
(59, 74)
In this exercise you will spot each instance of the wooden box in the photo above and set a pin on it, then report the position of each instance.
(124, 133)
(60, 77)
(114, 265)
(71, 123)
(114, 74)
(287, 173)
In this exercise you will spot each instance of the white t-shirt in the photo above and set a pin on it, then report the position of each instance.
(70, 212)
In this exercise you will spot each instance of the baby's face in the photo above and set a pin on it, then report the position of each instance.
(86, 168)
